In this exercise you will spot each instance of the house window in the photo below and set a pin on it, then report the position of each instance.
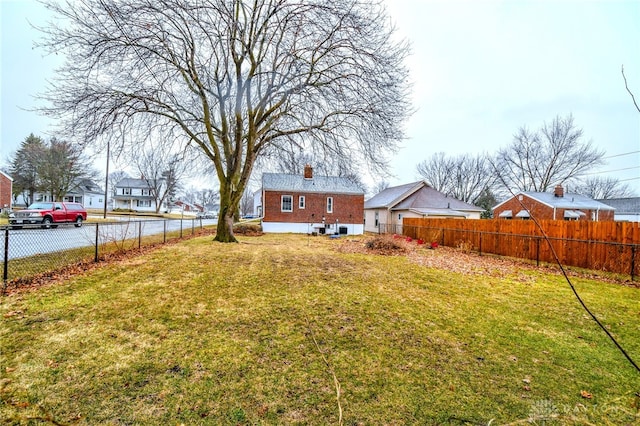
(126, 191)
(145, 192)
(287, 203)
(301, 202)
(399, 216)
(377, 219)
(329, 204)
(143, 203)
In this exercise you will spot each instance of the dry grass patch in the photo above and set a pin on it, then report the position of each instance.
(259, 333)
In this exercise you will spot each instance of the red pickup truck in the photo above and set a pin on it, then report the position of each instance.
(49, 214)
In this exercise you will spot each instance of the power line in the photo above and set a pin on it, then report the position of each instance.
(620, 155)
(611, 171)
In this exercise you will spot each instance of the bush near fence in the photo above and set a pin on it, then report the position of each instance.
(603, 246)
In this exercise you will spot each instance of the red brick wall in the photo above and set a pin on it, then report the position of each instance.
(5, 191)
(346, 208)
(544, 212)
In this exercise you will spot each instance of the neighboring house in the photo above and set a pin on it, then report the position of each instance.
(416, 199)
(183, 207)
(308, 204)
(135, 195)
(87, 193)
(627, 209)
(83, 191)
(6, 188)
(553, 206)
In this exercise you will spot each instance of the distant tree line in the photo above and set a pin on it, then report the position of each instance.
(555, 154)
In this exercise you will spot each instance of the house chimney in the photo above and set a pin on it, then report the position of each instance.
(559, 191)
(308, 171)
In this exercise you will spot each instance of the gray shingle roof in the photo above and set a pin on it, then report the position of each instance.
(624, 205)
(568, 201)
(132, 183)
(297, 183)
(390, 196)
(417, 196)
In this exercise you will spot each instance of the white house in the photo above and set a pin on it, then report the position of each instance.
(135, 195)
(384, 211)
(87, 193)
(83, 191)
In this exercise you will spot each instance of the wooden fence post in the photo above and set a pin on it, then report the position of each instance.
(633, 260)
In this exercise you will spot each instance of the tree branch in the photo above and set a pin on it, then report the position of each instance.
(628, 90)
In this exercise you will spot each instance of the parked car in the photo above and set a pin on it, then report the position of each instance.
(49, 214)
(206, 215)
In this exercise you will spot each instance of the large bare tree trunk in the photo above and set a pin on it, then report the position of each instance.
(224, 232)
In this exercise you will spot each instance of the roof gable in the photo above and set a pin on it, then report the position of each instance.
(6, 175)
(298, 183)
(391, 196)
(415, 196)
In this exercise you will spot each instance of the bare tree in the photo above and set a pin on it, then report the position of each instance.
(61, 167)
(600, 188)
(626, 86)
(162, 171)
(380, 186)
(114, 178)
(465, 177)
(437, 171)
(237, 79)
(552, 155)
(246, 204)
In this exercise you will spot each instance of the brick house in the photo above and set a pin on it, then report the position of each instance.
(556, 205)
(6, 187)
(307, 204)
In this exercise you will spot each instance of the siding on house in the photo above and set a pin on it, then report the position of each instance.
(413, 200)
(6, 197)
(136, 195)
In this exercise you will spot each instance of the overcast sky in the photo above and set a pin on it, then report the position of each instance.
(480, 70)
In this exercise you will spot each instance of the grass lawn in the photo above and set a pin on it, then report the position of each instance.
(284, 329)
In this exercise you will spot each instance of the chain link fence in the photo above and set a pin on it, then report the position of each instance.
(32, 251)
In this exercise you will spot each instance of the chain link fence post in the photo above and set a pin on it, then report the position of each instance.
(5, 269)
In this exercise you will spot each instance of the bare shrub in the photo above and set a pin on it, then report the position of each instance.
(247, 229)
(387, 244)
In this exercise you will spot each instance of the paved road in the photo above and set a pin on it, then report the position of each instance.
(35, 240)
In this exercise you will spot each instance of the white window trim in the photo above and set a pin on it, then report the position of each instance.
(302, 202)
(282, 203)
(329, 204)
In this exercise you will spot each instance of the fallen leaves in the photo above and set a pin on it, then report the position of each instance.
(585, 394)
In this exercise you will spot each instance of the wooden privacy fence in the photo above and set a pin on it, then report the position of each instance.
(604, 246)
